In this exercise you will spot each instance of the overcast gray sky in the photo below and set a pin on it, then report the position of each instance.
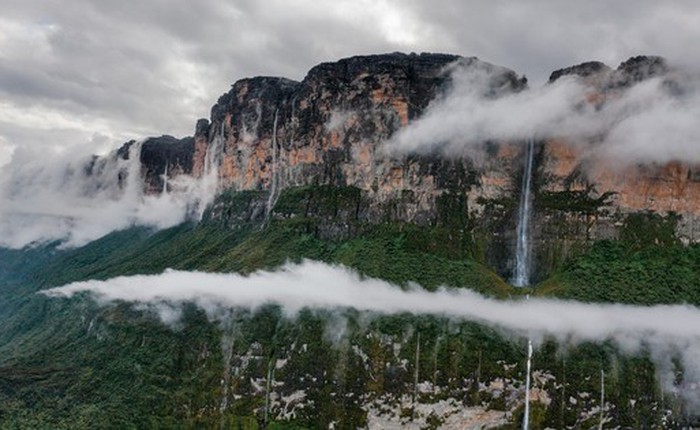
(101, 72)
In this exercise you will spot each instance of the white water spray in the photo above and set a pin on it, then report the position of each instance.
(521, 275)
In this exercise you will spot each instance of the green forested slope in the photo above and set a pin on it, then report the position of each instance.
(646, 266)
(71, 363)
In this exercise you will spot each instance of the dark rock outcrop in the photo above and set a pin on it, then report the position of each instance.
(583, 70)
(628, 73)
(165, 155)
(637, 69)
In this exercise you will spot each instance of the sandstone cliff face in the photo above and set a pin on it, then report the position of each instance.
(272, 134)
(327, 130)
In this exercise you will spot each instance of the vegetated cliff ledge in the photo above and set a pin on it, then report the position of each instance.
(277, 137)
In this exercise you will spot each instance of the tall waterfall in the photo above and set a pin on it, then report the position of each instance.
(521, 275)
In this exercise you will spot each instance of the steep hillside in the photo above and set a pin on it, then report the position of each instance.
(74, 363)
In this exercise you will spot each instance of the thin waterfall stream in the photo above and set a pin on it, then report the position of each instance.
(165, 180)
(521, 274)
(274, 176)
(526, 416)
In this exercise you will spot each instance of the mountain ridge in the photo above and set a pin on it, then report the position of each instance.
(328, 129)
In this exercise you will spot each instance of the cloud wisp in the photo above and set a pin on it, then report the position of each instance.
(318, 285)
(653, 121)
(667, 330)
(75, 199)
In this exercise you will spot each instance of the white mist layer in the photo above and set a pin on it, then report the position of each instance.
(318, 285)
(75, 199)
(650, 122)
(667, 330)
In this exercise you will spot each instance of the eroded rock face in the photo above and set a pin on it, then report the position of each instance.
(328, 128)
(270, 134)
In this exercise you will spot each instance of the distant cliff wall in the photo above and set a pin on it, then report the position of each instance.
(273, 134)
